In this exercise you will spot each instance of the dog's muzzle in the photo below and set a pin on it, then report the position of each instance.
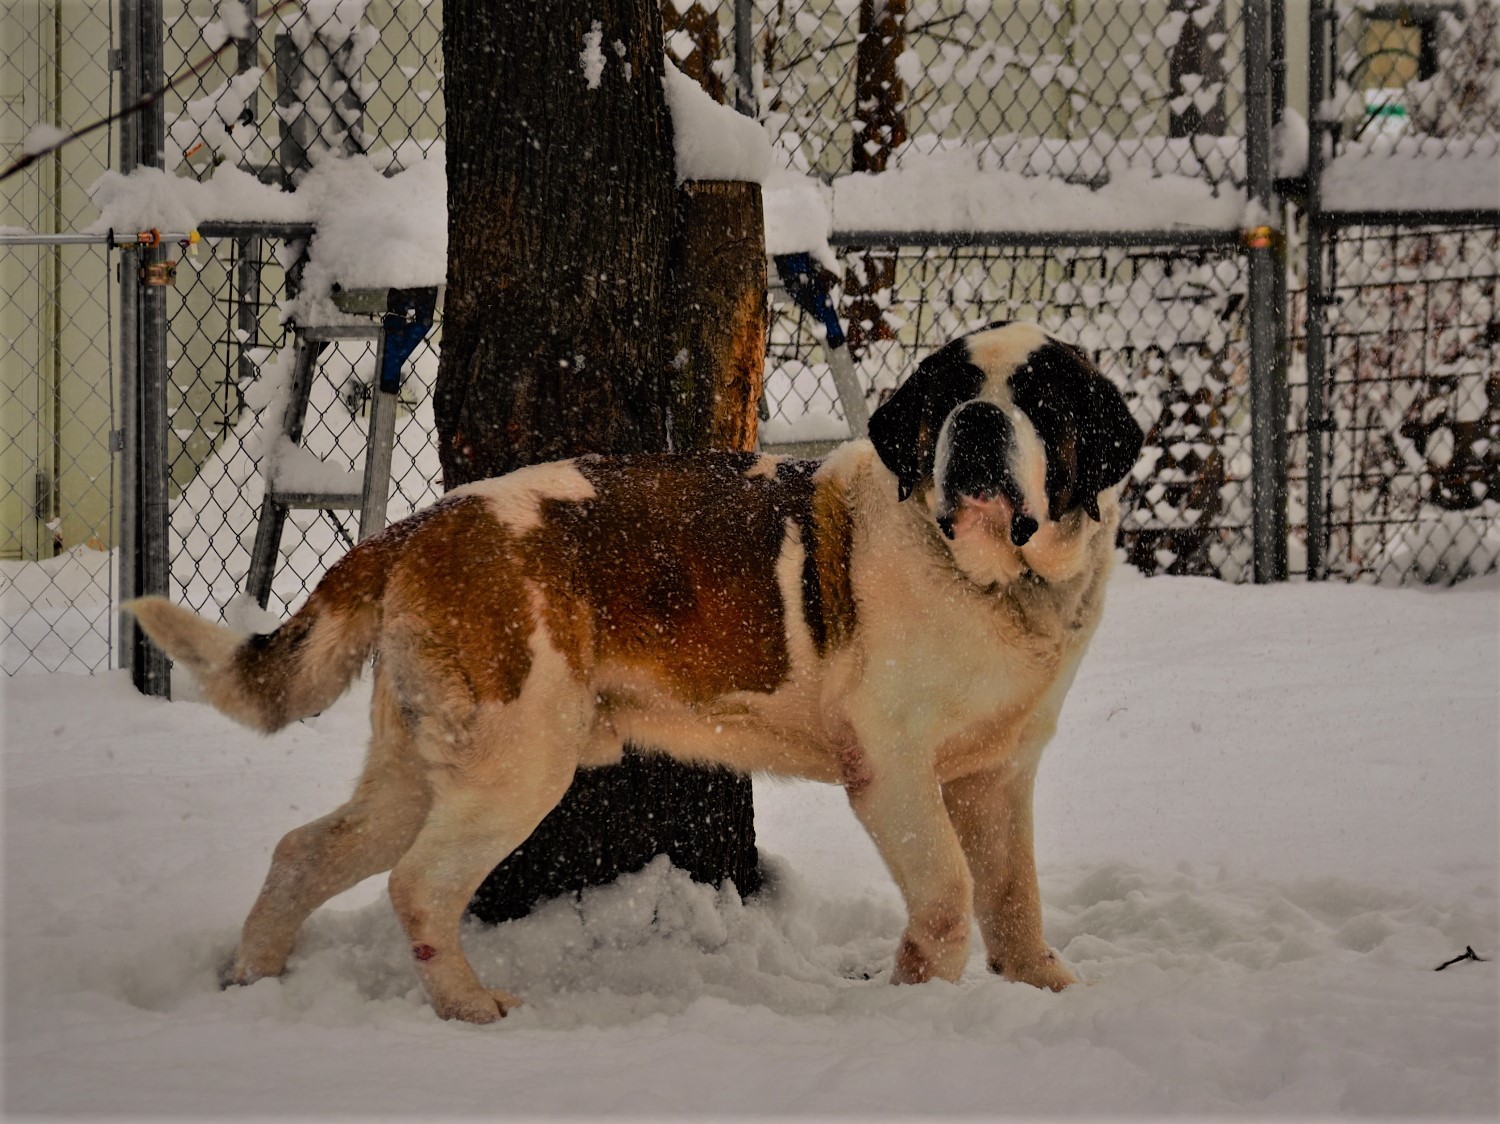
(974, 473)
(1022, 525)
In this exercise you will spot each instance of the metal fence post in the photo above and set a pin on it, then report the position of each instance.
(744, 58)
(127, 634)
(1280, 302)
(1267, 417)
(144, 548)
(1318, 31)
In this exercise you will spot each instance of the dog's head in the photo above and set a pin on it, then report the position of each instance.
(1009, 422)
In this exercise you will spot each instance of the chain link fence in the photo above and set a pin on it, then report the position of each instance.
(1403, 229)
(227, 347)
(302, 78)
(1412, 445)
(1056, 88)
(1168, 324)
(57, 484)
(1087, 166)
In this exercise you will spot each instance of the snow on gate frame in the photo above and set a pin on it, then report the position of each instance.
(1191, 320)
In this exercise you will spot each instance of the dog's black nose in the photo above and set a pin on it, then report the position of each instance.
(1022, 527)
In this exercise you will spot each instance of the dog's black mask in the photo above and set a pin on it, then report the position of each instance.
(1092, 442)
(904, 430)
(975, 463)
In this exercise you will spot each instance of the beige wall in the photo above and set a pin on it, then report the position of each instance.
(54, 303)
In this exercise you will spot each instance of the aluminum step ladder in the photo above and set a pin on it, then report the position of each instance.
(400, 319)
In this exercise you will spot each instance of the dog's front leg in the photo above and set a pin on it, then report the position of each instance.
(991, 811)
(904, 815)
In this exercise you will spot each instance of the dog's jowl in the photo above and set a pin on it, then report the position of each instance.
(902, 618)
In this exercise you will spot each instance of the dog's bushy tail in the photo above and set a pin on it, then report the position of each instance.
(267, 681)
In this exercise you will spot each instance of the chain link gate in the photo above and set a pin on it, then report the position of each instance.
(1403, 293)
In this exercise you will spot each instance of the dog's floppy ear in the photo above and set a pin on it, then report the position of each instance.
(904, 430)
(1090, 437)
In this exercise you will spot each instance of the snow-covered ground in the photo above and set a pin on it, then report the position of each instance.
(1268, 814)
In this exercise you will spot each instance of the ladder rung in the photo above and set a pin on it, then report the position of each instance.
(318, 500)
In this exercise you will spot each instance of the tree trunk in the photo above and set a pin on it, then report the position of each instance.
(558, 338)
(1196, 72)
(718, 331)
(880, 128)
(560, 216)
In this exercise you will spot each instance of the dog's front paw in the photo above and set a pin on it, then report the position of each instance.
(1047, 971)
(484, 1007)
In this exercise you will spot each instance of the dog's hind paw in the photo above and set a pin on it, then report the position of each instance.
(486, 1007)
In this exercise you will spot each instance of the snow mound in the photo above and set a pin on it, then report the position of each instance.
(712, 141)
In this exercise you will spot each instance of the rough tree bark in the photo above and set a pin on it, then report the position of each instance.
(560, 326)
(718, 330)
(1197, 66)
(880, 128)
(560, 217)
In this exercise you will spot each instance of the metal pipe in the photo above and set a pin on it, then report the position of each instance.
(1021, 238)
(1267, 476)
(109, 238)
(1473, 216)
(1278, 64)
(285, 231)
(1317, 80)
(1278, 60)
(128, 633)
(744, 58)
(152, 669)
(55, 301)
(155, 467)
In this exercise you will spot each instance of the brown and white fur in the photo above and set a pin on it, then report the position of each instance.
(807, 619)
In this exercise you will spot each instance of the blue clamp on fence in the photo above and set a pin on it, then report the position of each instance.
(407, 319)
(799, 276)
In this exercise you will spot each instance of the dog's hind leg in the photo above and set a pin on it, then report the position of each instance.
(480, 813)
(364, 837)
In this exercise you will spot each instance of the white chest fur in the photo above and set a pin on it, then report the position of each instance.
(960, 674)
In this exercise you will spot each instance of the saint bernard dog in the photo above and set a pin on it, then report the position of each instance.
(902, 618)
